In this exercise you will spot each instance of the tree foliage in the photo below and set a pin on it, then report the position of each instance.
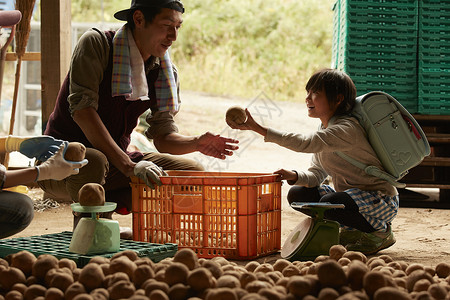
(242, 47)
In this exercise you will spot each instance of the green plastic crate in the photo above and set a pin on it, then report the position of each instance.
(375, 43)
(57, 244)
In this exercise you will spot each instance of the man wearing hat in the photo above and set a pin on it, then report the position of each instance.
(16, 209)
(115, 77)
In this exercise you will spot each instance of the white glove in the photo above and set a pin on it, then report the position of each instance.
(149, 173)
(57, 168)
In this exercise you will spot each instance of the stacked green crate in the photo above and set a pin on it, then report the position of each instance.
(375, 42)
(434, 57)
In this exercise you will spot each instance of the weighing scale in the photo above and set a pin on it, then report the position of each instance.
(95, 235)
(314, 235)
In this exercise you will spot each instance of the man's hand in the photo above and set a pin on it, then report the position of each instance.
(216, 146)
(41, 147)
(149, 173)
(57, 167)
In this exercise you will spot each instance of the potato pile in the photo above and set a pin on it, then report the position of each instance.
(340, 275)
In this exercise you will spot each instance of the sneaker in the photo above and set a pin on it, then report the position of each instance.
(349, 236)
(371, 243)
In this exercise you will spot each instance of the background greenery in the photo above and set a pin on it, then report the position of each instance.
(242, 47)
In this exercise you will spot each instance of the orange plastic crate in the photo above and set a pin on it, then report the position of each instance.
(234, 215)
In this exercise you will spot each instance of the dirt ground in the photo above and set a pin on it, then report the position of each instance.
(423, 234)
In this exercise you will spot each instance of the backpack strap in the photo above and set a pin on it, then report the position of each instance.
(371, 170)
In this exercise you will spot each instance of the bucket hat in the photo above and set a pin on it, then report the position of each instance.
(122, 14)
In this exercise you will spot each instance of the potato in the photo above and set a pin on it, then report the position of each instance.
(13, 295)
(443, 269)
(251, 266)
(122, 264)
(438, 291)
(280, 264)
(10, 276)
(328, 294)
(23, 260)
(235, 114)
(43, 264)
(372, 281)
(356, 271)
(421, 296)
(264, 268)
(400, 282)
(74, 289)
(54, 294)
(321, 258)
(188, 257)
(299, 286)
(413, 267)
(176, 272)
(270, 294)
(178, 291)
(200, 279)
(132, 255)
(256, 285)
(141, 274)
(121, 289)
(34, 291)
(152, 284)
(228, 281)
(247, 278)
(222, 261)
(264, 277)
(91, 276)
(213, 267)
(67, 263)
(91, 194)
(100, 294)
(416, 276)
(290, 270)
(390, 293)
(99, 260)
(352, 255)
(223, 293)
(83, 296)
(19, 287)
(331, 274)
(421, 285)
(61, 281)
(336, 251)
(158, 295)
(113, 278)
(253, 296)
(75, 152)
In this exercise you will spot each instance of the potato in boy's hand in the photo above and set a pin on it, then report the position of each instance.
(235, 115)
(75, 152)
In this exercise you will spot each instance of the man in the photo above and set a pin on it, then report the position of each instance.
(114, 78)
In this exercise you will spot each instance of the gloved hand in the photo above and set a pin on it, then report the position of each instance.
(41, 147)
(149, 173)
(57, 168)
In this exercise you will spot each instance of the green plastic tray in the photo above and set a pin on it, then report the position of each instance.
(57, 244)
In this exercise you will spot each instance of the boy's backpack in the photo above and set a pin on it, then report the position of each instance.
(394, 134)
